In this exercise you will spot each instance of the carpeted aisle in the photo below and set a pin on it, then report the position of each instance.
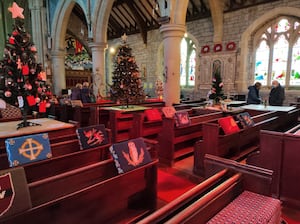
(170, 186)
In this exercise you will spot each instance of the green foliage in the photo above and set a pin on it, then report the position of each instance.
(21, 76)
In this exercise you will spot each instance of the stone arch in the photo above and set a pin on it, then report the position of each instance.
(101, 14)
(58, 33)
(246, 42)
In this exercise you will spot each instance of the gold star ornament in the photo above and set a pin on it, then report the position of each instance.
(124, 38)
(16, 11)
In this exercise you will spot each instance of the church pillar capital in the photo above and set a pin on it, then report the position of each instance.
(97, 46)
(172, 30)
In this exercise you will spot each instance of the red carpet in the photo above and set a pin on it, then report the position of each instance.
(170, 186)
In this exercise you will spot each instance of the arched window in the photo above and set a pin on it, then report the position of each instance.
(187, 63)
(277, 54)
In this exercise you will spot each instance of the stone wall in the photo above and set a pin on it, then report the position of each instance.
(150, 56)
(235, 23)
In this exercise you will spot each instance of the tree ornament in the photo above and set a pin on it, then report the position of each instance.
(19, 63)
(28, 86)
(33, 49)
(25, 70)
(37, 100)
(11, 40)
(7, 93)
(16, 11)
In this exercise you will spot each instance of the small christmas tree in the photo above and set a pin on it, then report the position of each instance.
(126, 85)
(217, 93)
(23, 82)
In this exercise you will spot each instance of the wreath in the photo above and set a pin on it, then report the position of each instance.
(230, 46)
(217, 47)
(205, 49)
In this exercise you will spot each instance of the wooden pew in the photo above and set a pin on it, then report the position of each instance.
(279, 152)
(177, 142)
(226, 181)
(92, 194)
(57, 131)
(141, 127)
(235, 146)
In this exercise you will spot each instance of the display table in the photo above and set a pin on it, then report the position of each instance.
(234, 103)
(130, 108)
(260, 107)
(9, 129)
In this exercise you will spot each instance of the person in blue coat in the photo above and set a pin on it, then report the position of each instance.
(253, 94)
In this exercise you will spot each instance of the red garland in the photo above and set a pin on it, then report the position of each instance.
(205, 49)
(217, 47)
(230, 46)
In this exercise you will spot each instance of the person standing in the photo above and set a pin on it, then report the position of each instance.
(76, 92)
(276, 96)
(253, 94)
(85, 93)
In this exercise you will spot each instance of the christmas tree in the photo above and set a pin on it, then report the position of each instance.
(126, 86)
(217, 93)
(23, 82)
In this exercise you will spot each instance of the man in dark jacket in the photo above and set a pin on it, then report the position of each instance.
(253, 94)
(276, 96)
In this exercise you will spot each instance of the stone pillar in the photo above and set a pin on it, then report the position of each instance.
(98, 57)
(38, 28)
(172, 36)
(58, 71)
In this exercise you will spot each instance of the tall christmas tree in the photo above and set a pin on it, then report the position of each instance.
(23, 82)
(126, 85)
(217, 93)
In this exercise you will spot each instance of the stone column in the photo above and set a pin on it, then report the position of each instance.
(38, 28)
(58, 71)
(98, 57)
(172, 36)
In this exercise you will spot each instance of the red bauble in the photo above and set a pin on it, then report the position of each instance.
(25, 70)
(11, 40)
(15, 33)
(39, 90)
(33, 48)
(28, 86)
(7, 93)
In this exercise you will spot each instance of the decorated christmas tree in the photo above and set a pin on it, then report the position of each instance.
(23, 82)
(126, 87)
(217, 93)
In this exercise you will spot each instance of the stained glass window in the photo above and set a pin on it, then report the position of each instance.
(278, 53)
(280, 56)
(261, 64)
(295, 69)
(188, 62)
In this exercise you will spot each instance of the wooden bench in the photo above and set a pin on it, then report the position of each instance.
(279, 152)
(178, 142)
(235, 146)
(92, 194)
(227, 180)
(53, 180)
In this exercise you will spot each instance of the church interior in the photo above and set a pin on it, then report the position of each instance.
(149, 111)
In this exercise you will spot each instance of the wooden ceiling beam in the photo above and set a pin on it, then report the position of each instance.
(139, 20)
